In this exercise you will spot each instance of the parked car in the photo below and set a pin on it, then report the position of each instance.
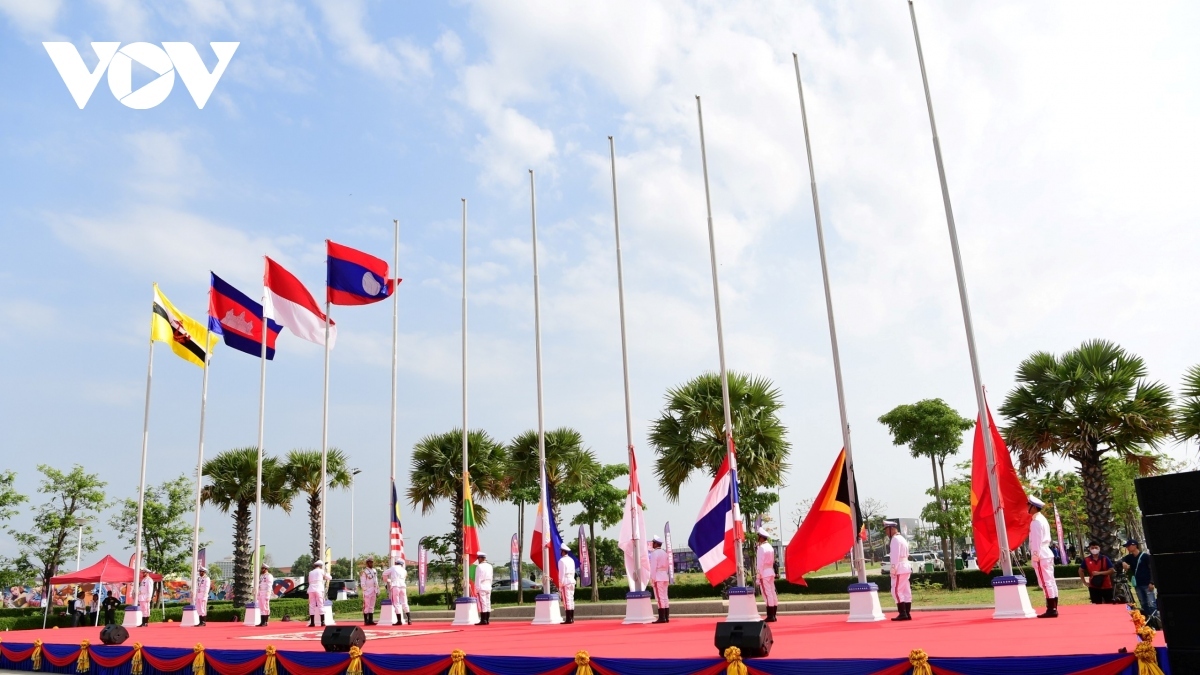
(526, 584)
(917, 560)
(335, 587)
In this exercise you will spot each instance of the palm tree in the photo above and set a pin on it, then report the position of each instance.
(232, 484)
(1088, 402)
(436, 475)
(1188, 415)
(304, 476)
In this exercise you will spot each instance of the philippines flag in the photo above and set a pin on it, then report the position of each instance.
(292, 305)
(353, 277)
(396, 533)
(714, 536)
(238, 319)
(542, 540)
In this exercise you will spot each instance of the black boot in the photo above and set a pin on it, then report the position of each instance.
(661, 619)
(366, 619)
(1051, 609)
(667, 615)
(202, 618)
(771, 613)
(408, 617)
(899, 612)
(322, 618)
(312, 621)
(908, 611)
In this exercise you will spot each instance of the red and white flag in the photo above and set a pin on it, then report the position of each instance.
(290, 304)
(632, 540)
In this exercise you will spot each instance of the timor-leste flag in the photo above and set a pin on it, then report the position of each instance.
(189, 339)
(827, 533)
(1012, 497)
(470, 534)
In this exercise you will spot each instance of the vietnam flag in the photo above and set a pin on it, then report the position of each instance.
(1012, 497)
(470, 535)
(827, 533)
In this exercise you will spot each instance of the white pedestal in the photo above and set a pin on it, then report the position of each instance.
(545, 610)
(341, 594)
(191, 618)
(466, 612)
(1012, 598)
(133, 617)
(742, 605)
(252, 616)
(328, 613)
(864, 604)
(387, 615)
(638, 608)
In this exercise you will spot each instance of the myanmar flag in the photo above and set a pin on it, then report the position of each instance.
(1012, 497)
(827, 533)
(189, 339)
(470, 535)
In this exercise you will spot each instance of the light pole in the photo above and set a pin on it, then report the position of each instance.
(353, 473)
(80, 521)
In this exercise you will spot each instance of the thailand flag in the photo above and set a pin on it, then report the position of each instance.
(355, 278)
(289, 302)
(238, 319)
(541, 540)
(714, 537)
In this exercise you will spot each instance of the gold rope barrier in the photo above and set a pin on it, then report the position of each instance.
(136, 666)
(355, 667)
(457, 665)
(37, 654)
(919, 661)
(198, 662)
(1147, 656)
(270, 667)
(83, 664)
(733, 656)
(583, 663)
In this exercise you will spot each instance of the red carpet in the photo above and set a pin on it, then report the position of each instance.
(1088, 629)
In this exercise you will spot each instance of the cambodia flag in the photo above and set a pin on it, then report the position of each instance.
(238, 319)
(1012, 497)
(355, 278)
(714, 536)
(827, 532)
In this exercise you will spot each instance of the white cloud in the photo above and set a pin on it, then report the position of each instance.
(32, 16)
(397, 59)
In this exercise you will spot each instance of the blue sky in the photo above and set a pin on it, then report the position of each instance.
(1069, 141)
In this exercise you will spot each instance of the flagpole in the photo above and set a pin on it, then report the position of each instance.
(712, 253)
(262, 410)
(395, 359)
(325, 430)
(537, 347)
(852, 489)
(988, 448)
(465, 468)
(137, 545)
(200, 463)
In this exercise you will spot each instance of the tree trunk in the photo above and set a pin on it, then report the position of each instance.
(1097, 501)
(595, 578)
(314, 526)
(947, 541)
(520, 551)
(241, 554)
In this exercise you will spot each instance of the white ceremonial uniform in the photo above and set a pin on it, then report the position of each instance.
(316, 591)
(901, 569)
(200, 599)
(145, 595)
(566, 581)
(1043, 557)
(483, 585)
(397, 581)
(266, 589)
(368, 585)
(765, 564)
(660, 575)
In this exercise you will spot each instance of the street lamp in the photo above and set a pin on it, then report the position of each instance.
(353, 473)
(80, 521)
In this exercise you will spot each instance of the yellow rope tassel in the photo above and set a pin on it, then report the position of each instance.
(198, 662)
(270, 667)
(83, 664)
(1138, 619)
(355, 667)
(37, 654)
(457, 665)
(919, 661)
(1147, 657)
(733, 656)
(135, 667)
(583, 663)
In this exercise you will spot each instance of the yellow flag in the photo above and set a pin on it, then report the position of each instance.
(186, 336)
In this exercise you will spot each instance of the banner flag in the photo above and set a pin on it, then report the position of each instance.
(585, 560)
(328, 559)
(1062, 550)
(353, 277)
(238, 319)
(202, 558)
(1012, 495)
(422, 567)
(187, 336)
(670, 548)
(262, 558)
(827, 533)
(514, 563)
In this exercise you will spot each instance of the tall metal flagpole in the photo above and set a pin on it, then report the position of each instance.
(859, 564)
(395, 352)
(200, 463)
(262, 411)
(537, 347)
(137, 545)
(325, 432)
(989, 450)
(638, 543)
(465, 468)
(712, 254)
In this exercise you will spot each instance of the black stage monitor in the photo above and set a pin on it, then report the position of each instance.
(342, 638)
(752, 637)
(113, 634)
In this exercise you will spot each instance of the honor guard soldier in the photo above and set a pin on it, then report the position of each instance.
(316, 593)
(660, 576)
(200, 596)
(144, 596)
(765, 564)
(566, 582)
(1042, 557)
(483, 588)
(397, 583)
(266, 588)
(368, 585)
(901, 571)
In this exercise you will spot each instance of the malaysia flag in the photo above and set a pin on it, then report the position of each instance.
(355, 278)
(290, 303)
(714, 536)
(238, 319)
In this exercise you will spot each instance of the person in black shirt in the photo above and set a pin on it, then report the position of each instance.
(110, 605)
(1137, 564)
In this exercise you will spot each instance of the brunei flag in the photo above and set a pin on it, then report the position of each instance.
(827, 533)
(189, 339)
(470, 534)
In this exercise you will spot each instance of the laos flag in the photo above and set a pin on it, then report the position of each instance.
(716, 533)
(355, 278)
(238, 319)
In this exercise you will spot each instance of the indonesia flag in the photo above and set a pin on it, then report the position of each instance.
(714, 536)
(632, 539)
(290, 303)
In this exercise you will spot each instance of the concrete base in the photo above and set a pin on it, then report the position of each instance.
(252, 616)
(466, 612)
(133, 617)
(864, 604)
(1012, 598)
(328, 612)
(638, 608)
(387, 615)
(742, 605)
(191, 618)
(545, 610)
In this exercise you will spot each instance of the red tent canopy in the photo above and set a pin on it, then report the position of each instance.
(107, 571)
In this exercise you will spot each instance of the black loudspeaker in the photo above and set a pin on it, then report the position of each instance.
(342, 638)
(1170, 518)
(1181, 620)
(752, 637)
(1174, 532)
(1169, 493)
(1184, 660)
(1175, 572)
(113, 634)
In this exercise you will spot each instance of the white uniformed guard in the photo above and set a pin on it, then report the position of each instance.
(397, 583)
(1042, 557)
(144, 596)
(483, 588)
(660, 576)
(368, 586)
(566, 583)
(266, 588)
(765, 564)
(316, 593)
(901, 571)
(200, 596)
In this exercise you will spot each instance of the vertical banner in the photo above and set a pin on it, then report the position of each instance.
(422, 567)
(262, 559)
(670, 549)
(1062, 550)
(585, 560)
(514, 563)
(328, 559)
(202, 557)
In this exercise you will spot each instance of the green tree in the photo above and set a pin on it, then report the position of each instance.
(72, 494)
(873, 512)
(602, 503)
(436, 475)
(441, 564)
(304, 476)
(340, 569)
(232, 486)
(1064, 491)
(166, 533)
(1188, 414)
(610, 560)
(12, 572)
(950, 511)
(1120, 475)
(1090, 402)
(303, 565)
(930, 428)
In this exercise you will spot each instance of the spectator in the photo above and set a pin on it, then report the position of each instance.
(1096, 570)
(1137, 564)
(110, 605)
(78, 609)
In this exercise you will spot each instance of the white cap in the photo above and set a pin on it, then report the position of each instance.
(319, 563)
(1034, 501)
(763, 533)
(480, 554)
(397, 561)
(202, 569)
(891, 523)
(566, 548)
(656, 539)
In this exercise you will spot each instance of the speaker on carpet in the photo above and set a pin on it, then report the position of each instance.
(1184, 660)
(1175, 572)
(1173, 532)
(752, 637)
(1181, 620)
(342, 638)
(1170, 518)
(113, 634)
(1169, 493)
